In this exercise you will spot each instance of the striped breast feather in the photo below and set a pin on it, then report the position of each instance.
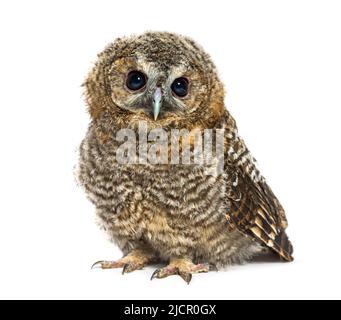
(255, 210)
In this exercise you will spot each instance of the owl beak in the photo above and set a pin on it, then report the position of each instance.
(157, 102)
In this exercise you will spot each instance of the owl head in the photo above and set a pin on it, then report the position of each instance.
(159, 77)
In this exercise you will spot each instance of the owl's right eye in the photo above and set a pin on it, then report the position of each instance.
(136, 80)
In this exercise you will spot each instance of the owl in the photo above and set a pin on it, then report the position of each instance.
(180, 215)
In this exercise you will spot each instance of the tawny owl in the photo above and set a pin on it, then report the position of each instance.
(181, 214)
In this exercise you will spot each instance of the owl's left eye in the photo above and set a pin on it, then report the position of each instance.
(180, 87)
(136, 80)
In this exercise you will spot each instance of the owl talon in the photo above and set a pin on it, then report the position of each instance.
(130, 267)
(135, 260)
(164, 272)
(96, 264)
(125, 269)
(155, 274)
(183, 268)
(186, 276)
(107, 265)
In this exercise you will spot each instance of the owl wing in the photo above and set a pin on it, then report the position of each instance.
(254, 209)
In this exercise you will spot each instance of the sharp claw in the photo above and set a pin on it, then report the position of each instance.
(155, 273)
(96, 264)
(186, 276)
(128, 267)
(125, 269)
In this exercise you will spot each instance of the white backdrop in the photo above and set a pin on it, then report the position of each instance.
(280, 61)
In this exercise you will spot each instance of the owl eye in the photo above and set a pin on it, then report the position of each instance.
(136, 80)
(180, 87)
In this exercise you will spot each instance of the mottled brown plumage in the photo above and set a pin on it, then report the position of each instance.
(174, 213)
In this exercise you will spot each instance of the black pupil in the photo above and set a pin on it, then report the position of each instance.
(180, 87)
(136, 80)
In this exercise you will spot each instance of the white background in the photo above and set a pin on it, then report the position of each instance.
(281, 63)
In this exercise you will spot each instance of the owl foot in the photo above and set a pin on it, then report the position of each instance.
(182, 267)
(135, 260)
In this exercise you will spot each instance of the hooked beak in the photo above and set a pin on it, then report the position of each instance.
(157, 102)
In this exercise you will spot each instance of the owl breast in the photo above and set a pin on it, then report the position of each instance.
(176, 210)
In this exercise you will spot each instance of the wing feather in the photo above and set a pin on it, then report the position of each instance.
(255, 210)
